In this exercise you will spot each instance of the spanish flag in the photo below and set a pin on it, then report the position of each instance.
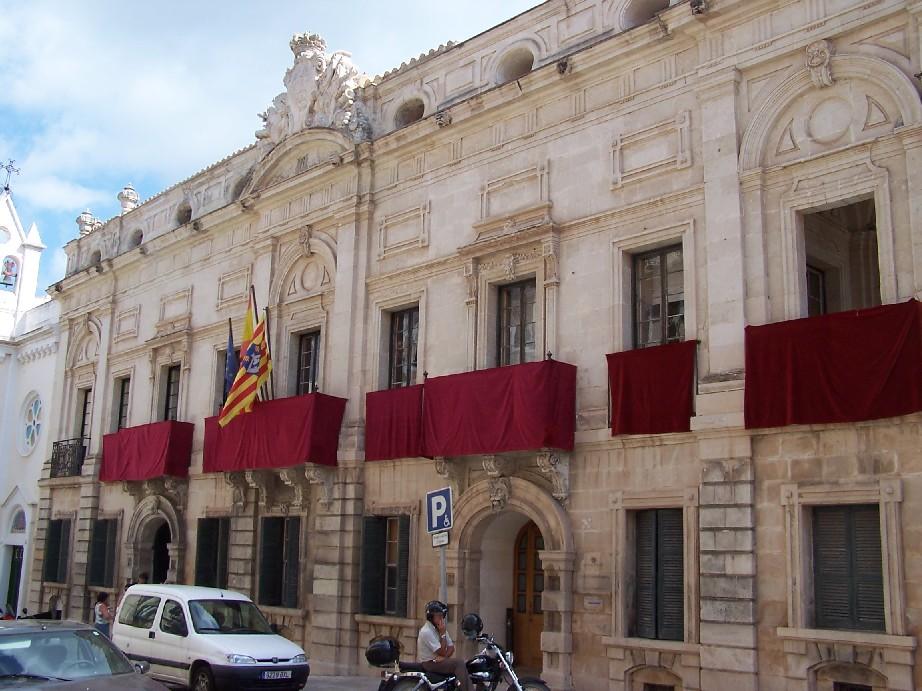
(255, 367)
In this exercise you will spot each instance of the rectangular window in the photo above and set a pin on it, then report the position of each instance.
(84, 414)
(659, 297)
(516, 323)
(279, 562)
(659, 610)
(57, 551)
(171, 393)
(385, 565)
(308, 357)
(211, 551)
(816, 291)
(102, 553)
(403, 343)
(847, 572)
(123, 390)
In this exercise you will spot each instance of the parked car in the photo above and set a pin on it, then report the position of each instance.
(62, 655)
(206, 638)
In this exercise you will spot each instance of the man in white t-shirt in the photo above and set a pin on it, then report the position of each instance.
(435, 649)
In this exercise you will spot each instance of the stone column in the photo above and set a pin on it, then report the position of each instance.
(728, 633)
(338, 504)
(723, 232)
(557, 603)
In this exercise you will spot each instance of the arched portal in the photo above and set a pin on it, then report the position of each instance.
(155, 541)
(483, 573)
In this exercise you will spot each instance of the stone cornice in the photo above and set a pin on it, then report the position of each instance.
(37, 352)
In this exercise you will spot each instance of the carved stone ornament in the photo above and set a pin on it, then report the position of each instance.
(819, 54)
(443, 118)
(471, 270)
(500, 490)
(452, 472)
(238, 489)
(320, 92)
(496, 466)
(260, 481)
(292, 477)
(322, 478)
(171, 489)
(557, 469)
(304, 239)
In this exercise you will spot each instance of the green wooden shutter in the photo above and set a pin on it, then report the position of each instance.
(670, 576)
(271, 554)
(374, 542)
(64, 553)
(111, 551)
(205, 552)
(869, 580)
(222, 552)
(102, 552)
(645, 581)
(403, 560)
(292, 562)
(52, 551)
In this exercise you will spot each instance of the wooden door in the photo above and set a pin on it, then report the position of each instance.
(528, 617)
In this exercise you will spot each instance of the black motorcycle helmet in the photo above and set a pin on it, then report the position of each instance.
(471, 625)
(435, 607)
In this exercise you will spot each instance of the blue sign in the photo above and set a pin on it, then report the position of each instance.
(438, 510)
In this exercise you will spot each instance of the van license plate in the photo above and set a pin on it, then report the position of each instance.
(286, 674)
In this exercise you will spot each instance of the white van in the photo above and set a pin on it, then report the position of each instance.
(206, 638)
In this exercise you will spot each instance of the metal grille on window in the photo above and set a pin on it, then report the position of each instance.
(659, 297)
(403, 345)
(124, 389)
(308, 351)
(516, 323)
(171, 395)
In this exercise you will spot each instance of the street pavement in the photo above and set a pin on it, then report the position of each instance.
(319, 683)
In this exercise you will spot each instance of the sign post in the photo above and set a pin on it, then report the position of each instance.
(438, 523)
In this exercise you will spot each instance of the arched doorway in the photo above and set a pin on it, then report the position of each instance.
(154, 551)
(161, 554)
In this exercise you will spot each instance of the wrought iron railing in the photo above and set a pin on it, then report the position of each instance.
(67, 457)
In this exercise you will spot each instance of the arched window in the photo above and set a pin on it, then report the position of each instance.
(18, 525)
(640, 12)
(408, 113)
(32, 421)
(95, 257)
(137, 237)
(514, 65)
(183, 214)
(9, 272)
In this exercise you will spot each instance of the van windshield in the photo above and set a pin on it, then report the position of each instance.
(227, 616)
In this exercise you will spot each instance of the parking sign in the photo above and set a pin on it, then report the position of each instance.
(438, 510)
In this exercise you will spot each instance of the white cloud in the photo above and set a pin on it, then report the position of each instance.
(56, 194)
(55, 268)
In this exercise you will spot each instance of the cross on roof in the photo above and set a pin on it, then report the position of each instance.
(10, 169)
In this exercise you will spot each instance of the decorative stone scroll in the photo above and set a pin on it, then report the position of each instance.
(556, 468)
(321, 477)
(819, 53)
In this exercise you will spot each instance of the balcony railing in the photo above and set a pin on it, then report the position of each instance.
(67, 457)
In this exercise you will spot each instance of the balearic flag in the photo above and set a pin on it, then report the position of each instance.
(255, 367)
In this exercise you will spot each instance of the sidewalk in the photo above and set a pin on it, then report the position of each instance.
(319, 683)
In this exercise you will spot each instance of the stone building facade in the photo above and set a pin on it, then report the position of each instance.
(584, 179)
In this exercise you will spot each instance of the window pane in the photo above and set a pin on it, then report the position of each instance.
(516, 323)
(308, 352)
(403, 347)
(659, 300)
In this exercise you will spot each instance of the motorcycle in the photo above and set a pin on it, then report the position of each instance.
(487, 670)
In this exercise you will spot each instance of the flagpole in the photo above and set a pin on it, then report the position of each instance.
(269, 351)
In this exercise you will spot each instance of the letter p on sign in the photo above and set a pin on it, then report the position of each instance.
(438, 510)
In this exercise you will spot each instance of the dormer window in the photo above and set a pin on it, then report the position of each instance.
(410, 112)
(514, 65)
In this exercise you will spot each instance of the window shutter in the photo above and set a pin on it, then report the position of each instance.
(403, 557)
(111, 537)
(98, 544)
(222, 552)
(270, 555)
(205, 549)
(645, 585)
(670, 575)
(292, 562)
(52, 551)
(831, 567)
(64, 552)
(374, 539)
(869, 582)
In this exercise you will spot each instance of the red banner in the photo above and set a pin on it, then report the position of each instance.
(147, 451)
(842, 367)
(276, 434)
(394, 423)
(516, 408)
(652, 389)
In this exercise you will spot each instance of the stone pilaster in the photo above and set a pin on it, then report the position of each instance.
(334, 601)
(242, 555)
(39, 540)
(81, 599)
(727, 566)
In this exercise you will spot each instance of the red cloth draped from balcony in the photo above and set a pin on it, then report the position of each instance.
(843, 367)
(276, 434)
(652, 389)
(147, 451)
(394, 423)
(514, 408)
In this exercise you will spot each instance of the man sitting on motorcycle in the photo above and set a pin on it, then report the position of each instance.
(435, 649)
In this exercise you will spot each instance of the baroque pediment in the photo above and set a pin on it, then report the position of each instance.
(305, 153)
(320, 92)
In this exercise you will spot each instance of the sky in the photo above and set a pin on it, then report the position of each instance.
(95, 94)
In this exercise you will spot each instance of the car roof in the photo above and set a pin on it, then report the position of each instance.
(185, 592)
(20, 626)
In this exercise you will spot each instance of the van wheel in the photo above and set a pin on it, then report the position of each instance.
(202, 679)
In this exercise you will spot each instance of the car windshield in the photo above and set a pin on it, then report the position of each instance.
(227, 616)
(57, 654)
